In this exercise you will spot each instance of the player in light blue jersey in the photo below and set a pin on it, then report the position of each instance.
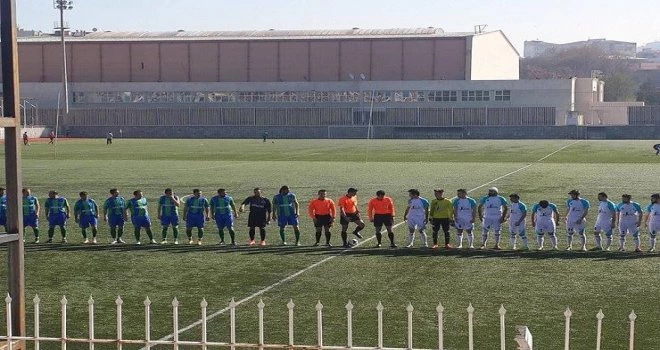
(605, 222)
(86, 214)
(629, 215)
(517, 222)
(493, 216)
(285, 211)
(544, 219)
(577, 210)
(196, 212)
(465, 213)
(417, 216)
(653, 219)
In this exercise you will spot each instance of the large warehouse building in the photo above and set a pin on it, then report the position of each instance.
(334, 83)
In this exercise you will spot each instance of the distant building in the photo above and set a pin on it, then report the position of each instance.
(621, 49)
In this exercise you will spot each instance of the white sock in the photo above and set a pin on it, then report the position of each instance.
(424, 238)
(471, 239)
(411, 238)
(539, 240)
(498, 238)
(652, 242)
(512, 241)
(524, 239)
(570, 240)
(484, 237)
(553, 239)
(609, 241)
(583, 239)
(459, 239)
(598, 241)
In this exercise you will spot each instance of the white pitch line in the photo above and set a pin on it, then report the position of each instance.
(321, 262)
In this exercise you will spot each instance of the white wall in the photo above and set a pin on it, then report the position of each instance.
(493, 58)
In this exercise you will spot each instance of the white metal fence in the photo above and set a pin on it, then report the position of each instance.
(523, 338)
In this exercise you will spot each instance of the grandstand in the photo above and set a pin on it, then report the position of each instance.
(389, 83)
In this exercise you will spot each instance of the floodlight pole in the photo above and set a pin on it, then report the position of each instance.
(11, 122)
(62, 5)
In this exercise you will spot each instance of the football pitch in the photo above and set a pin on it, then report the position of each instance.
(535, 287)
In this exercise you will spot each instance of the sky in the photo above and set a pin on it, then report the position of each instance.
(548, 20)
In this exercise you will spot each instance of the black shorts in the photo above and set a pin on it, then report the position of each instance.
(438, 223)
(381, 220)
(354, 217)
(323, 221)
(260, 222)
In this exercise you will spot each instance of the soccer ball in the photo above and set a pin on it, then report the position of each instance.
(353, 242)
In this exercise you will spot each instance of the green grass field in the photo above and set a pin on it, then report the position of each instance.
(536, 287)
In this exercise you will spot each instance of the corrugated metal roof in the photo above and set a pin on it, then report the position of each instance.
(355, 33)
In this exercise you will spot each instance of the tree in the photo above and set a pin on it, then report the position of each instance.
(648, 94)
(620, 87)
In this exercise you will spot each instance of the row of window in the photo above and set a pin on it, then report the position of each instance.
(408, 96)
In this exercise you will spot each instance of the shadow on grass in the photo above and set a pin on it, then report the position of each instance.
(359, 251)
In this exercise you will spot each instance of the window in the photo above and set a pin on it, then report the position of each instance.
(503, 95)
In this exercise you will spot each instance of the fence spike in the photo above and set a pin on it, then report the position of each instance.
(90, 303)
(599, 328)
(349, 324)
(261, 304)
(567, 331)
(290, 305)
(64, 301)
(349, 306)
(9, 322)
(440, 308)
(147, 322)
(568, 312)
(380, 306)
(470, 311)
(147, 301)
(319, 306)
(36, 299)
(232, 303)
(410, 310)
(379, 309)
(319, 323)
(119, 301)
(232, 321)
(632, 317)
(63, 314)
(8, 299)
(175, 302)
(502, 312)
(204, 303)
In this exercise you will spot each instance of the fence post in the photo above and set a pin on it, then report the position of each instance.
(470, 311)
(261, 306)
(90, 304)
(175, 322)
(524, 338)
(380, 309)
(232, 322)
(567, 332)
(599, 328)
(290, 305)
(204, 304)
(319, 323)
(410, 310)
(9, 330)
(147, 322)
(119, 303)
(349, 324)
(36, 301)
(632, 319)
(63, 337)
(502, 328)
(441, 337)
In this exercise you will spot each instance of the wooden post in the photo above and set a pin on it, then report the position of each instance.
(12, 101)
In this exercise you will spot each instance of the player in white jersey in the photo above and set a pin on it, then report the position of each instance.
(629, 215)
(417, 216)
(606, 221)
(465, 213)
(544, 219)
(653, 219)
(493, 216)
(577, 210)
(517, 222)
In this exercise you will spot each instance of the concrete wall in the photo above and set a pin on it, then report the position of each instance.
(493, 58)
(437, 58)
(323, 132)
(33, 132)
